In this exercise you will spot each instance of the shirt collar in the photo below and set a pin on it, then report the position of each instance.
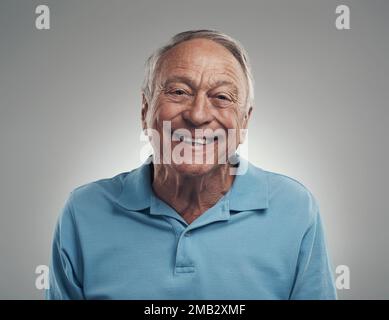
(136, 188)
(249, 191)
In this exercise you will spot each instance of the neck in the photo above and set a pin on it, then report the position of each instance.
(189, 195)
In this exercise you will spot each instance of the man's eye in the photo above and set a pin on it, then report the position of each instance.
(178, 92)
(222, 97)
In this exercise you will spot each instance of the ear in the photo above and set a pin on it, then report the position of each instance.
(145, 108)
(246, 119)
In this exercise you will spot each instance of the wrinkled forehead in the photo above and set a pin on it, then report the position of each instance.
(200, 58)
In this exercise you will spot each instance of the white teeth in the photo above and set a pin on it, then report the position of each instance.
(194, 141)
(190, 140)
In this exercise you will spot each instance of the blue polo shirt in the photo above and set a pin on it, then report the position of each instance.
(115, 239)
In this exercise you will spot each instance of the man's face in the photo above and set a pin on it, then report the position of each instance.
(200, 85)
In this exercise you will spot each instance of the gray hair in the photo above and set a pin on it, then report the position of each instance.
(226, 41)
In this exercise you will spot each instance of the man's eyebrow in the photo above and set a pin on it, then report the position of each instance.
(220, 83)
(191, 83)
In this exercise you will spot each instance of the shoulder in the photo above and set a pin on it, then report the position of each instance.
(104, 197)
(98, 190)
(291, 196)
(89, 204)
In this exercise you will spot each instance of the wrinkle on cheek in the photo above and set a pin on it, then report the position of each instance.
(233, 117)
(155, 106)
(234, 120)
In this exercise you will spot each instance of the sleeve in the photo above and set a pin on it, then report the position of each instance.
(314, 278)
(65, 274)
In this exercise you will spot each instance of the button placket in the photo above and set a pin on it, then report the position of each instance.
(184, 264)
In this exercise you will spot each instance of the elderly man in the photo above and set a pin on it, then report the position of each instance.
(187, 224)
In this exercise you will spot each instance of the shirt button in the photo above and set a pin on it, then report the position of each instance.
(187, 234)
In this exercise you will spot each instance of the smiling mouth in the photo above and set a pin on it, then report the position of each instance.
(194, 141)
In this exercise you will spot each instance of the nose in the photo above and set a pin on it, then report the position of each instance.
(199, 112)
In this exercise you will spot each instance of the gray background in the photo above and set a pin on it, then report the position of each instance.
(70, 109)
